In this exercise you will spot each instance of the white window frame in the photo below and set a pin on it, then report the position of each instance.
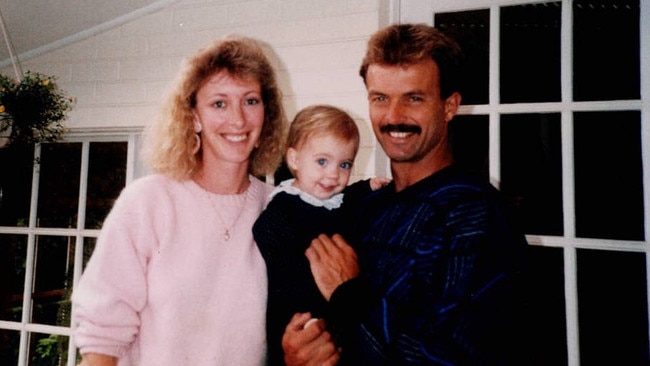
(421, 11)
(134, 169)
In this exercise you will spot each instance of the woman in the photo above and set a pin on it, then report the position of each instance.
(176, 278)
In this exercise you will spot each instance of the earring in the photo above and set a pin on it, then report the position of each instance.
(197, 144)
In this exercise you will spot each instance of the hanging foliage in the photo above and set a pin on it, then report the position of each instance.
(33, 109)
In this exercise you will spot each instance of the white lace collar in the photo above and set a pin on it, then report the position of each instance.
(288, 187)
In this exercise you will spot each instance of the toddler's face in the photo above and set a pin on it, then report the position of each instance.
(323, 165)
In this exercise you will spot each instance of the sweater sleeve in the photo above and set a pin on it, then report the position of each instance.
(113, 287)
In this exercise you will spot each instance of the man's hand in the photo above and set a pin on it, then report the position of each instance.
(332, 262)
(308, 346)
(378, 182)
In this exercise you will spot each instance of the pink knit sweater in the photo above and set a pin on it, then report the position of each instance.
(164, 288)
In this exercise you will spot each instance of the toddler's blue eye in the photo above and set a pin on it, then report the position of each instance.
(321, 162)
(346, 165)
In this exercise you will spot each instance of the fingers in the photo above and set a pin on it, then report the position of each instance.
(312, 345)
(340, 243)
(378, 182)
(324, 246)
(332, 262)
(310, 322)
(298, 321)
(321, 245)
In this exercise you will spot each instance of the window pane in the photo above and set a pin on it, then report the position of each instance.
(531, 170)
(471, 29)
(53, 267)
(9, 344)
(58, 194)
(48, 349)
(547, 304)
(613, 308)
(16, 185)
(606, 49)
(13, 254)
(469, 140)
(530, 53)
(608, 175)
(89, 248)
(106, 178)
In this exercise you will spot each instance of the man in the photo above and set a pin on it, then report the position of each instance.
(436, 280)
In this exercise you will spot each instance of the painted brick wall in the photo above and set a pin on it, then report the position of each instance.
(119, 75)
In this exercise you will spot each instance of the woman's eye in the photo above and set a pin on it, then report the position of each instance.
(220, 104)
(346, 165)
(321, 162)
(252, 101)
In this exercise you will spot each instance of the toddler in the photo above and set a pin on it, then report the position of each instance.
(320, 150)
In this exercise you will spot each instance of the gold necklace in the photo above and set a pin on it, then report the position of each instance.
(227, 229)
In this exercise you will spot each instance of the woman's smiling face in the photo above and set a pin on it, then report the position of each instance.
(231, 113)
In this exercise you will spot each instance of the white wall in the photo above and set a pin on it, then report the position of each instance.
(119, 76)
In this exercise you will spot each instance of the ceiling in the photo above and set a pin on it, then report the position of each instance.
(36, 26)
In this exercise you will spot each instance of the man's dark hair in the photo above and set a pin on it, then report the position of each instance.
(404, 44)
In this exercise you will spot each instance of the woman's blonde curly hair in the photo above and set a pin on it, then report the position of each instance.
(170, 142)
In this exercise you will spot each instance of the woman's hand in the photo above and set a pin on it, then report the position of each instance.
(96, 359)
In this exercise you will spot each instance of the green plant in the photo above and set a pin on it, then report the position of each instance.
(47, 351)
(32, 109)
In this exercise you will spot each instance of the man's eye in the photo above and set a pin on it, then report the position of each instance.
(321, 162)
(416, 98)
(346, 165)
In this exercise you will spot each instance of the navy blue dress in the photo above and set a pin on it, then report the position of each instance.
(283, 232)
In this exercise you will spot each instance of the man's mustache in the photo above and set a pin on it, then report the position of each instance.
(400, 127)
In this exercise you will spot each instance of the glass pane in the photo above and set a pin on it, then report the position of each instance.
(53, 267)
(530, 53)
(531, 170)
(58, 194)
(13, 254)
(608, 175)
(9, 344)
(547, 305)
(469, 140)
(16, 185)
(613, 308)
(48, 349)
(606, 49)
(89, 248)
(106, 178)
(471, 29)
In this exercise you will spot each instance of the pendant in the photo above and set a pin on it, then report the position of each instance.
(226, 235)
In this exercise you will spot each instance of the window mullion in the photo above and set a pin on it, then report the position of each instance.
(568, 186)
(494, 86)
(645, 129)
(29, 260)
